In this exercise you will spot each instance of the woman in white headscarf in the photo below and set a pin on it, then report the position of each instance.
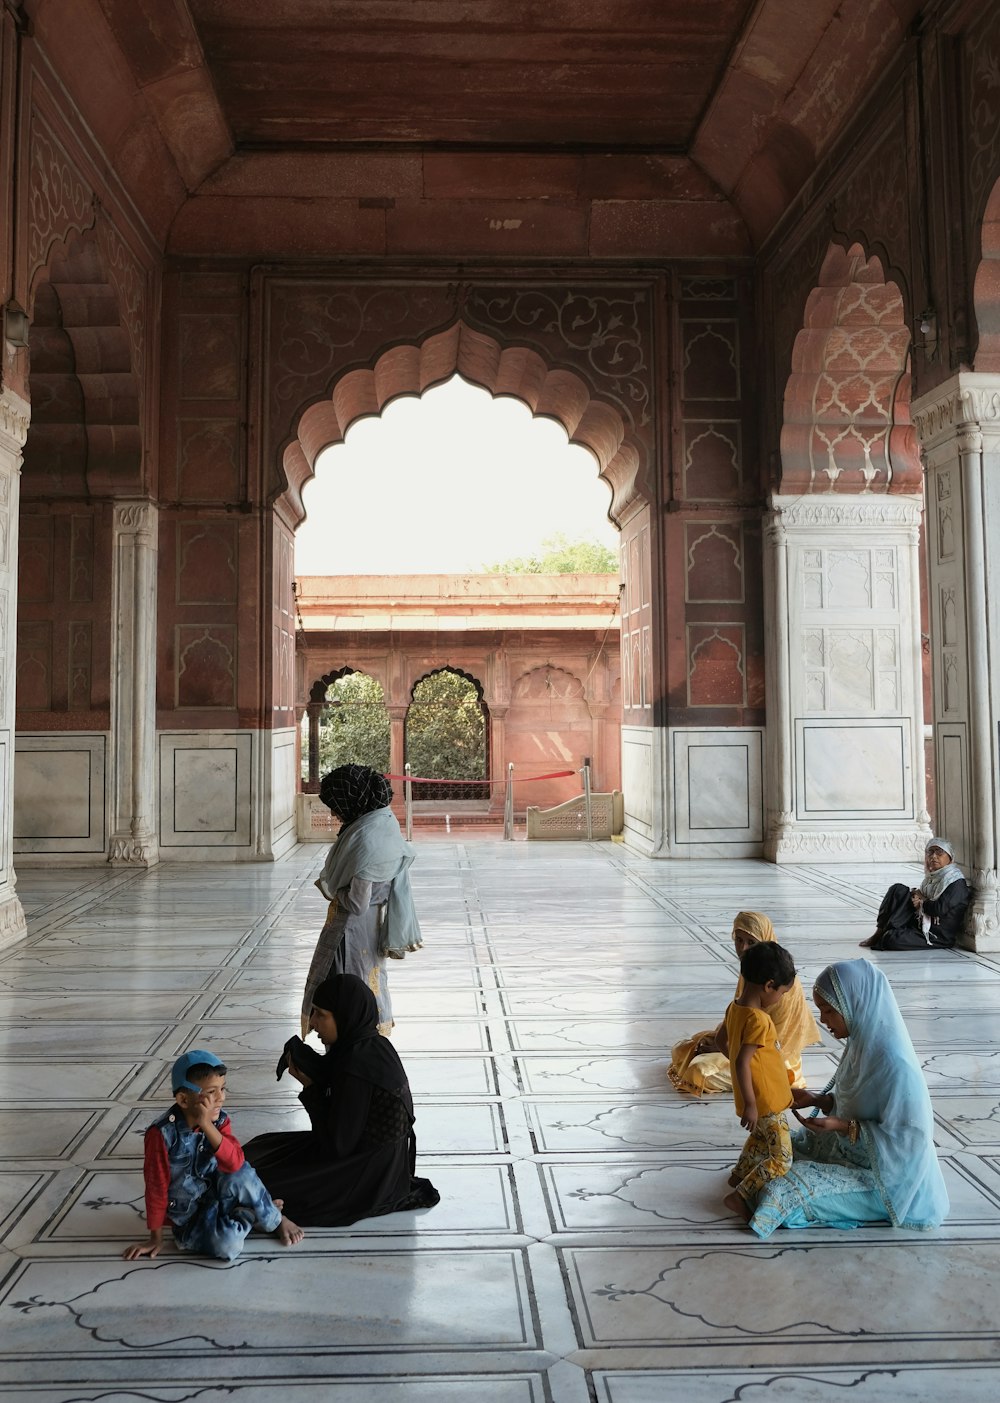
(933, 914)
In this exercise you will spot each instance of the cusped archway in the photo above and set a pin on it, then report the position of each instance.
(515, 371)
(846, 425)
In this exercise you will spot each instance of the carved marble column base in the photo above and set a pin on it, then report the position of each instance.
(128, 851)
(13, 926)
(984, 916)
(790, 842)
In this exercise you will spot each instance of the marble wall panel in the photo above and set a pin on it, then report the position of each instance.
(205, 789)
(284, 785)
(952, 796)
(637, 777)
(854, 769)
(718, 786)
(59, 793)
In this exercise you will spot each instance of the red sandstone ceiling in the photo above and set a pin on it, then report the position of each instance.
(506, 128)
(538, 73)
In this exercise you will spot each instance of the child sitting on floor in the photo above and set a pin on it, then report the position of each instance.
(196, 1176)
(761, 1086)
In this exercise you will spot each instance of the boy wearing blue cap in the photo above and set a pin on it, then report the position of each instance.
(195, 1174)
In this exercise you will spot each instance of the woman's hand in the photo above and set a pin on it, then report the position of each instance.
(830, 1125)
(299, 1076)
(801, 1099)
(706, 1044)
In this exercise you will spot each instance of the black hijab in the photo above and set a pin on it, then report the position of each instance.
(359, 1050)
(352, 790)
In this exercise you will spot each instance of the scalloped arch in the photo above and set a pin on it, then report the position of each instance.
(514, 371)
(846, 424)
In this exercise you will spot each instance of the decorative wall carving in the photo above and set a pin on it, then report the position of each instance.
(208, 466)
(206, 666)
(60, 202)
(207, 562)
(15, 416)
(981, 51)
(34, 666)
(716, 671)
(209, 351)
(128, 279)
(319, 330)
(714, 557)
(81, 560)
(710, 364)
(712, 457)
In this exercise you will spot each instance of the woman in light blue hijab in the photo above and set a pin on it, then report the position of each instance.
(867, 1153)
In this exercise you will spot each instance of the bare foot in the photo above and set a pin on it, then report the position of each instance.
(287, 1232)
(739, 1206)
(733, 1180)
(869, 943)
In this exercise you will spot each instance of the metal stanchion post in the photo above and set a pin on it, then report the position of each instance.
(408, 800)
(586, 802)
(508, 806)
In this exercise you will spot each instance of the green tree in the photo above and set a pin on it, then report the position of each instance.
(446, 729)
(559, 556)
(354, 724)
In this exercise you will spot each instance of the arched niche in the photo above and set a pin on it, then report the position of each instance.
(846, 423)
(515, 371)
(986, 288)
(85, 438)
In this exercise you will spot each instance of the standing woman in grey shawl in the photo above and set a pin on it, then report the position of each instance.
(931, 915)
(365, 880)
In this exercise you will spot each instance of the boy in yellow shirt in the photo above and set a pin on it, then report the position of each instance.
(761, 1086)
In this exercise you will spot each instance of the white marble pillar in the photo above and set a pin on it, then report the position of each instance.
(959, 429)
(133, 685)
(14, 416)
(845, 738)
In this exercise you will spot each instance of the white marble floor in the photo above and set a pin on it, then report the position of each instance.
(580, 1253)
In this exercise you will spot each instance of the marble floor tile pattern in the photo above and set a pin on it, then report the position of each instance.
(580, 1252)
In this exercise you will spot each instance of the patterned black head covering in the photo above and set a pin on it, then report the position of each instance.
(358, 1051)
(352, 790)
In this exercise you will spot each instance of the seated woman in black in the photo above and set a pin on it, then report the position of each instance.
(933, 914)
(359, 1157)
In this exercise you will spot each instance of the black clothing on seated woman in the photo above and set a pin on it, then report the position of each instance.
(358, 1159)
(933, 914)
(899, 926)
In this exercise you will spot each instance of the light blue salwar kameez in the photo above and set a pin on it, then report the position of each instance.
(891, 1173)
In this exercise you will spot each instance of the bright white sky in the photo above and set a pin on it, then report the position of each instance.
(448, 483)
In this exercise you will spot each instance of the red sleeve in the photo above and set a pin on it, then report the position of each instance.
(229, 1155)
(156, 1172)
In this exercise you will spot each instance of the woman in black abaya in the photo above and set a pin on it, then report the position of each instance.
(358, 1159)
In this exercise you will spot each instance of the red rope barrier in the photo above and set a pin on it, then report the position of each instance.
(525, 779)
